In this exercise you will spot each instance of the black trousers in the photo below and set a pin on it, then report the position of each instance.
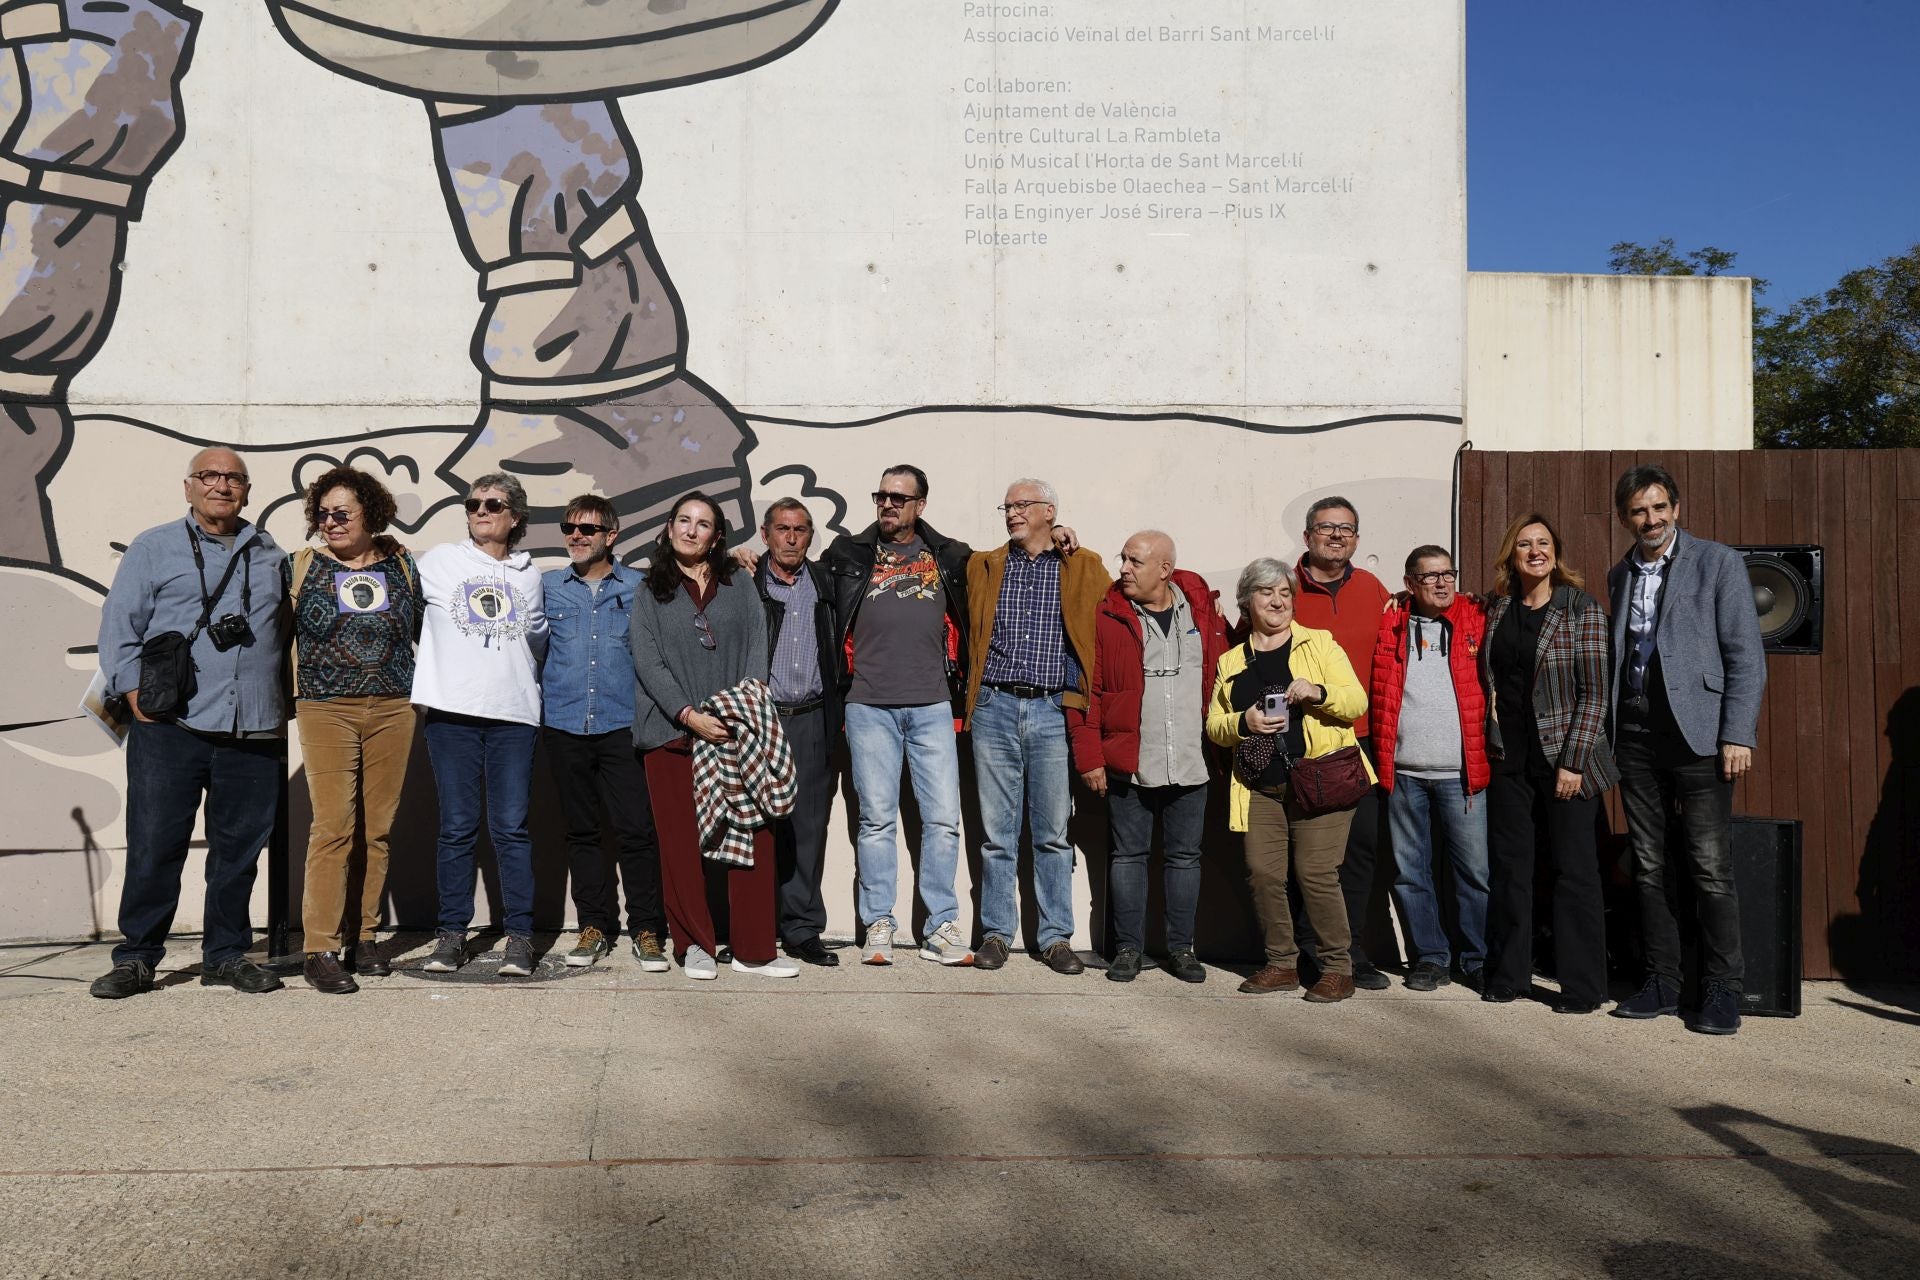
(1521, 815)
(1366, 842)
(592, 771)
(1680, 823)
(800, 840)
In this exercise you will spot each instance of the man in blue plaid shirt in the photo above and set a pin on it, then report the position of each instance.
(1031, 615)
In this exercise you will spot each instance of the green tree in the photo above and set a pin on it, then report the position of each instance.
(1841, 370)
(1661, 258)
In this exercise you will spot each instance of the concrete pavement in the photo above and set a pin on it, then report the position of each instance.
(919, 1121)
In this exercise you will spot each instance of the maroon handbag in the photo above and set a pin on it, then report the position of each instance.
(1329, 783)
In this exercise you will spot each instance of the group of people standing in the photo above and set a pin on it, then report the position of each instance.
(694, 710)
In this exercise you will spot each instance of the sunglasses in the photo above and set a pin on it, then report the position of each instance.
(341, 516)
(706, 631)
(588, 529)
(881, 498)
(492, 505)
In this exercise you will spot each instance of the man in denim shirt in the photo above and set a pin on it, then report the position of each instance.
(587, 689)
(228, 746)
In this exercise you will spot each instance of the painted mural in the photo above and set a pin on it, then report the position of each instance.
(581, 345)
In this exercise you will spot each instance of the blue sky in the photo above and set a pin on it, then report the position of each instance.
(1786, 132)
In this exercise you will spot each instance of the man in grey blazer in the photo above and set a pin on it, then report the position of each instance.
(1690, 673)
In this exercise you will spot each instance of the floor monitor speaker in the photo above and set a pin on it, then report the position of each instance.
(1766, 874)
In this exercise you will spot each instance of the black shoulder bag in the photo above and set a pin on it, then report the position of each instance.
(167, 672)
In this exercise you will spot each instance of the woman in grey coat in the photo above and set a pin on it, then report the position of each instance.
(695, 632)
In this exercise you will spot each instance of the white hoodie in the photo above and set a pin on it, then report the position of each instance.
(485, 634)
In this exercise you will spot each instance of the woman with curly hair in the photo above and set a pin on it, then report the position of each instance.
(356, 613)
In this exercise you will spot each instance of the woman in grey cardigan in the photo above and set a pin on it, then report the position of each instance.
(694, 633)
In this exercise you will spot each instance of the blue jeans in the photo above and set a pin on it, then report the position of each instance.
(482, 769)
(1463, 824)
(1130, 813)
(1020, 761)
(169, 770)
(877, 740)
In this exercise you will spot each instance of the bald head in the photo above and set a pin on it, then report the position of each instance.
(216, 488)
(1146, 562)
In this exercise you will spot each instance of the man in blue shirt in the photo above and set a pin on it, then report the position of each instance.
(587, 713)
(805, 679)
(213, 578)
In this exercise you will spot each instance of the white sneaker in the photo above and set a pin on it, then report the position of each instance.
(945, 946)
(778, 967)
(699, 965)
(879, 948)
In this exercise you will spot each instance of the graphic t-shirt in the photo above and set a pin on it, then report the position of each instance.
(900, 633)
(356, 628)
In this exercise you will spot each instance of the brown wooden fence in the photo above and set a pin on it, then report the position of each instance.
(1840, 732)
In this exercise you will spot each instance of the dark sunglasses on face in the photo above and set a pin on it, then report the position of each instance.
(491, 504)
(881, 498)
(338, 517)
(706, 631)
(570, 527)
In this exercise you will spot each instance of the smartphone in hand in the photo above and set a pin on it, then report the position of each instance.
(1274, 705)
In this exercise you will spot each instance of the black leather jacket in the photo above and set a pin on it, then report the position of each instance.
(849, 568)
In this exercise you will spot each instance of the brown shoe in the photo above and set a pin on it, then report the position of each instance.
(1331, 987)
(992, 953)
(324, 973)
(1060, 958)
(1272, 978)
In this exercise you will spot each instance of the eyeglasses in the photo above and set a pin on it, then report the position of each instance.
(1008, 508)
(338, 516)
(1436, 577)
(1327, 529)
(706, 631)
(208, 479)
(492, 505)
(881, 498)
(569, 528)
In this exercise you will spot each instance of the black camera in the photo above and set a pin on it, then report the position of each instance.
(229, 632)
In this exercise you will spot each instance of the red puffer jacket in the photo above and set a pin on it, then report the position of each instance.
(1468, 624)
(1107, 733)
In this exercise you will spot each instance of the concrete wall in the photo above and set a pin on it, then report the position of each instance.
(1609, 362)
(429, 250)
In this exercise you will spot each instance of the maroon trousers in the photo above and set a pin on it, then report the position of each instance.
(683, 871)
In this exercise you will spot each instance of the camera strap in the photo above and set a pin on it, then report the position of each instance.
(207, 602)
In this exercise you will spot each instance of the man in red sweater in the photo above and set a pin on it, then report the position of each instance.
(1336, 596)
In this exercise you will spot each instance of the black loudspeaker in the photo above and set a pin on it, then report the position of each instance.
(1789, 593)
(1766, 874)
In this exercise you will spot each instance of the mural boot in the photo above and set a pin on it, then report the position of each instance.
(581, 338)
(90, 101)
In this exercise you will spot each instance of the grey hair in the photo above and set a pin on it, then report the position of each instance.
(785, 504)
(516, 501)
(1258, 576)
(1048, 493)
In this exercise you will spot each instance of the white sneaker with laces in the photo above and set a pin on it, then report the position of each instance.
(945, 946)
(879, 948)
(778, 967)
(699, 965)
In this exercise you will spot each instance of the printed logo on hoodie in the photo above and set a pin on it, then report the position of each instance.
(489, 608)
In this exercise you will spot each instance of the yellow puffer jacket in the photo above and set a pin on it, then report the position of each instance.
(1328, 726)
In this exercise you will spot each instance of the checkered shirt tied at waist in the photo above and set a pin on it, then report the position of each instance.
(746, 782)
(1029, 643)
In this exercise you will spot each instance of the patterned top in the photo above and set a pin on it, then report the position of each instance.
(1029, 644)
(355, 628)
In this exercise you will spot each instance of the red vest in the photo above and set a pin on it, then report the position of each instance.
(1469, 633)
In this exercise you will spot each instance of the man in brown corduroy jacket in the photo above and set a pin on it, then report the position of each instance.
(1030, 648)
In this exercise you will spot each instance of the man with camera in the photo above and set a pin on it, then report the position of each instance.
(192, 641)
